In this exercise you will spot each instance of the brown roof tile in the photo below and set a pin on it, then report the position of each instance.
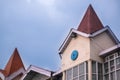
(90, 22)
(14, 63)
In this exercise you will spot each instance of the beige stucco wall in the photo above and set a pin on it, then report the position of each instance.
(81, 44)
(88, 48)
(99, 43)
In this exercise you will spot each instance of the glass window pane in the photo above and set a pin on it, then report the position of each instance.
(81, 69)
(69, 74)
(112, 63)
(118, 62)
(75, 71)
(86, 67)
(112, 67)
(107, 77)
(75, 78)
(86, 76)
(82, 77)
(94, 77)
(99, 68)
(100, 73)
(112, 76)
(100, 77)
(93, 67)
(118, 75)
(106, 67)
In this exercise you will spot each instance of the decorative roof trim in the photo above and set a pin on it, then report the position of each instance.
(2, 76)
(112, 49)
(113, 35)
(57, 72)
(38, 70)
(68, 38)
(13, 75)
(65, 41)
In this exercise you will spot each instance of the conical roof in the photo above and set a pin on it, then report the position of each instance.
(90, 22)
(14, 63)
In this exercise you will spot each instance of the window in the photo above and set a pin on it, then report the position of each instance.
(81, 69)
(75, 73)
(94, 76)
(97, 73)
(82, 77)
(93, 67)
(100, 71)
(112, 76)
(118, 75)
(118, 62)
(112, 67)
(94, 70)
(106, 67)
(78, 72)
(106, 77)
(69, 74)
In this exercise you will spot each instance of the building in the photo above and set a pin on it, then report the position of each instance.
(36, 73)
(90, 52)
(14, 69)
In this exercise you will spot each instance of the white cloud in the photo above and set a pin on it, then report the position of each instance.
(46, 3)
(110, 9)
(51, 9)
(28, 1)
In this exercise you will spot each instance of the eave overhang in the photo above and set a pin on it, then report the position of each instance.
(110, 50)
(33, 70)
(57, 73)
(73, 33)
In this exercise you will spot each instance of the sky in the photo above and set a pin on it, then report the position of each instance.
(37, 28)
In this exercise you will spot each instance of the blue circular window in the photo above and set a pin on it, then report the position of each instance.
(74, 55)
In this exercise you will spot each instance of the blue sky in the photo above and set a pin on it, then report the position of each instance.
(38, 27)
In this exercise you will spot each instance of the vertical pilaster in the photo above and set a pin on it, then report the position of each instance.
(63, 77)
(89, 69)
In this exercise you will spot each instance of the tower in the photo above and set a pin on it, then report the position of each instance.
(81, 52)
(14, 68)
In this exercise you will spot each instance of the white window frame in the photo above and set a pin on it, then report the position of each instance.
(109, 67)
(84, 74)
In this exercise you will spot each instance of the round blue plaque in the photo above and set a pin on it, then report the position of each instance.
(74, 55)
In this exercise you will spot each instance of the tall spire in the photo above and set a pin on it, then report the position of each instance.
(90, 22)
(14, 63)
